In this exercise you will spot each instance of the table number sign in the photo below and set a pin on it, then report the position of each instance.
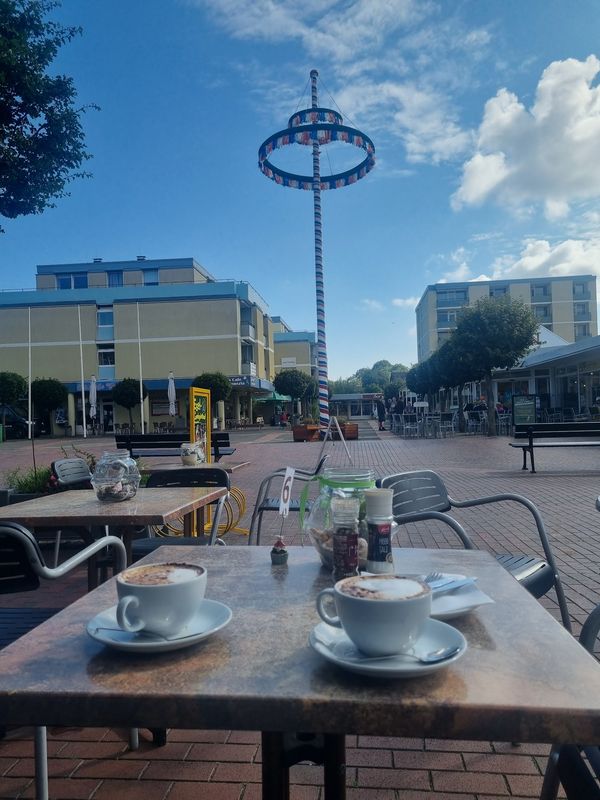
(286, 491)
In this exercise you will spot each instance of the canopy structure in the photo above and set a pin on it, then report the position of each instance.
(274, 396)
(317, 126)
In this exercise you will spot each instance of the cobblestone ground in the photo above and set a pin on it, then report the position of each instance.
(225, 765)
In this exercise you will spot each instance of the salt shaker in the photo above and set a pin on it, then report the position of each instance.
(379, 524)
(345, 512)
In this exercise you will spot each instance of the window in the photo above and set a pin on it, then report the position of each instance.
(150, 277)
(451, 297)
(106, 355)
(104, 316)
(581, 331)
(69, 280)
(541, 291)
(579, 289)
(446, 318)
(542, 313)
(498, 291)
(115, 278)
(580, 309)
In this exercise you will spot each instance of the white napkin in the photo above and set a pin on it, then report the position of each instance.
(459, 602)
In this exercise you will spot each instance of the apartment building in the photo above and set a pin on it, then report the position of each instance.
(294, 349)
(139, 318)
(565, 305)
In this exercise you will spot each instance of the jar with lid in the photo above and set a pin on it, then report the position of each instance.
(192, 453)
(344, 511)
(379, 518)
(337, 482)
(116, 476)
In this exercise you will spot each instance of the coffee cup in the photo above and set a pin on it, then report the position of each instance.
(381, 614)
(159, 598)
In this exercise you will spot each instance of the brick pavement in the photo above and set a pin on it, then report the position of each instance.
(225, 765)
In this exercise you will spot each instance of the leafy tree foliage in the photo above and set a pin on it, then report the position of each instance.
(495, 333)
(42, 143)
(218, 383)
(12, 388)
(47, 394)
(127, 394)
(292, 382)
(345, 386)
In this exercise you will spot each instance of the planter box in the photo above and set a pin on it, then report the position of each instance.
(349, 430)
(305, 433)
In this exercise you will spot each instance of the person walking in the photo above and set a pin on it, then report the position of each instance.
(381, 414)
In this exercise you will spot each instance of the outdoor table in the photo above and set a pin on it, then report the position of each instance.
(148, 467)
(523, 677)
(82, 508)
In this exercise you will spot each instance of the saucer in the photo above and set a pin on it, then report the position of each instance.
(210, 618)
(335, 646)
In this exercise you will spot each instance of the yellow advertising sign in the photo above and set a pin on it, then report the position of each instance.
(200, 421)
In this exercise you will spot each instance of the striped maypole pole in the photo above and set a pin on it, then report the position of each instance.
(319, 280)
(314, 127)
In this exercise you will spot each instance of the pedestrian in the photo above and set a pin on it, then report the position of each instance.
(381, 414)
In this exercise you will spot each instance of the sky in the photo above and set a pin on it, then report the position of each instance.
(485, 116)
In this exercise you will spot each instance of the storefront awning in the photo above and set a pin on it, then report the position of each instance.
(273, 397)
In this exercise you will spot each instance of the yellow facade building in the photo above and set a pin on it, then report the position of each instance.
(142, 319)
(565, 305)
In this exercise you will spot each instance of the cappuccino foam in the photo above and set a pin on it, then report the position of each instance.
(383, 587)
(160, 574)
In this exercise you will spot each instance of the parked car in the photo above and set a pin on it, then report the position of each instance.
(16, 426)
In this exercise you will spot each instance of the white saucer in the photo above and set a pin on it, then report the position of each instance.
(210, 618)
(334, 645)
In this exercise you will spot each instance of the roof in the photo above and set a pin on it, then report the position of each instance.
(547, 355)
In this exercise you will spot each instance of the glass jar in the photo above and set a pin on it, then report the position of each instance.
(116, 476)
(192, 453)
(338, 482)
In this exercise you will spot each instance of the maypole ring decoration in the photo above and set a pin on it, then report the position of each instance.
(321, 126)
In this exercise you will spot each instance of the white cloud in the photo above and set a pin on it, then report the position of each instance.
(546, 154)
(406, 302)
(539, 257)
(372, 305)
(392, 65)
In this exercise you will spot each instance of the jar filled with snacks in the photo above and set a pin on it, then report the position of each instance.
(116, 477)
(338, 482)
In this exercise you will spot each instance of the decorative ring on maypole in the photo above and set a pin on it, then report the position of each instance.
(315, 127)
(320, 133)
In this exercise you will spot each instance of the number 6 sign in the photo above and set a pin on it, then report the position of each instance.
(286, 491)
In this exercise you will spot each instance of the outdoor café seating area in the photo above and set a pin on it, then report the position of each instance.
(260, 696)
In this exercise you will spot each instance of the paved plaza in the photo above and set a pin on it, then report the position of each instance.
(225, 765)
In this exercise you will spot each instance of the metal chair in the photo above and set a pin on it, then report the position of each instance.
(410, 425)
(204, 477)
(422, 495)
(71, 473)
(21, 567)
(574, 767)
(447, 423)
(266, 501)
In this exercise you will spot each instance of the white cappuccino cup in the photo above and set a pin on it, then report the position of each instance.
(381, 614)
(159, 598)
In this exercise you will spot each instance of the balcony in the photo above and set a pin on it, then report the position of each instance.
(452, 303)
(249, 368)
(247, 331)
(585, 295)
(582, 316)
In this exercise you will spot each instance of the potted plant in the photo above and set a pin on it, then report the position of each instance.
(306, 431)
(27, 484)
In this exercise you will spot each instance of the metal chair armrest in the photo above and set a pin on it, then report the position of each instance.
(83, 555)
(541, 529)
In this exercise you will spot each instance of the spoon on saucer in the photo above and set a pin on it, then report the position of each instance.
(441, 654)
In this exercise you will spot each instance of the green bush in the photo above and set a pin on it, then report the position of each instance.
(31, 481)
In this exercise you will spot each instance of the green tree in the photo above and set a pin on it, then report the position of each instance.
(47, 395)
(218, 384)
(292, 382)
(12, 388)
(495, 333)
(42, 143)
(127, 394)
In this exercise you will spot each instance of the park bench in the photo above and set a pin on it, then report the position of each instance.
(547, 434)
(169, 444)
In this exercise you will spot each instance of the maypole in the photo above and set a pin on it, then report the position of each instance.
(317, 126)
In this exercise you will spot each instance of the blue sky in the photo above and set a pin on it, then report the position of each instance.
(485, 115)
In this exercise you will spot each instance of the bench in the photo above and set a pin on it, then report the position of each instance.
(586, 433)
(168, 444)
